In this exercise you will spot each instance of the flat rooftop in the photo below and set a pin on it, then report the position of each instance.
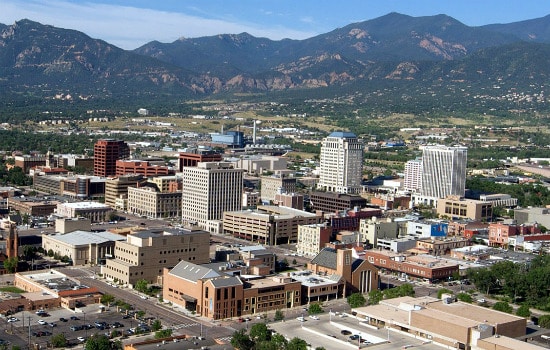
(79, 238)
(309, 279)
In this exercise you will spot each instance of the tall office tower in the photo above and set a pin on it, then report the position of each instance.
(209, 189)
(413, 175)
(443, 171)
(106, 153)
(341, 163)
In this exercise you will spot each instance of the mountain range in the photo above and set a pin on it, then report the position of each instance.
(396, 50)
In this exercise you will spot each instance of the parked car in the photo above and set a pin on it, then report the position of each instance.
(76, 328)
(52, 324)
(313, 317)
(13, 319)
(345, 332)
(81, 339)
(42, 322)
(301, 318)
(74, 318)
(63, 319)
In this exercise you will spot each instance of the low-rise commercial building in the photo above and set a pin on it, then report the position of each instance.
(268, 224)
(33, 206)
(66, 225)
(418, 266)
(445, 322)
(94, 211)
(330, 202)
(210, 292)
(456, 207)
(371, 230)
(142, 167)
(82, 247)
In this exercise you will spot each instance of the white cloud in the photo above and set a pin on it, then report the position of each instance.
(131, 27)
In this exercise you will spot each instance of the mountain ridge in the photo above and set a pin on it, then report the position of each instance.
(42, 60)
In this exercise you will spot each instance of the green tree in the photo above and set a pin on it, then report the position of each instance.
(442, 291)
(375, 296)
(296, 344)
(163, 333)
(314, 309)
(544, 321)
(15, 347)
(141, 286)
(50, 253)
(241, 340)
(464, 297)
(107, 299)
(503, 306)
(279, 315)
(259, 333)
(101, 342)
(156, 325)
(10, 264)
(356, 300)
(59, 340)
(523, 311)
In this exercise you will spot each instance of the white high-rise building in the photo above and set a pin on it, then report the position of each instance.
(341, 163)
(209, 189)
(443, 171)
(413, 175)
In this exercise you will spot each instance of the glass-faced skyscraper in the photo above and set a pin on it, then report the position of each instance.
(341, 163)
(443, 171)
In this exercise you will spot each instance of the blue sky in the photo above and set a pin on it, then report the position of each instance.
(130, 24)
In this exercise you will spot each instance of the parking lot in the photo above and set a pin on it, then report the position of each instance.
(38, 328)
(333, 332)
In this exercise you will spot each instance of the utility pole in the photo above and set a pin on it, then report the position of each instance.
(30, 319)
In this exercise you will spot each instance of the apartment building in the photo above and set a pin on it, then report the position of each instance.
(144, 254)
(413, 175)
(267, 224)
(210, 190)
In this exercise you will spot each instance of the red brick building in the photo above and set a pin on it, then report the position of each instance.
(141, 167)
(106, 153)
(420, 266)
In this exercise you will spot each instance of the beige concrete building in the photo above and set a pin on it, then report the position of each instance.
(439, 246)
(445, 322)
(456, 207)
(256, 164)
(370, 230)
(271, 185)
(116, 190)
(268, 224)
(96, 212)
(210, 190)
(147, 201)
(144, 254)
(167, 183)
(312, 238)
(66, 225)
(82, 247)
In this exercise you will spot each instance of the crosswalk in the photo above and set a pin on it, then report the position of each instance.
(223, 340)
(185, 325)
